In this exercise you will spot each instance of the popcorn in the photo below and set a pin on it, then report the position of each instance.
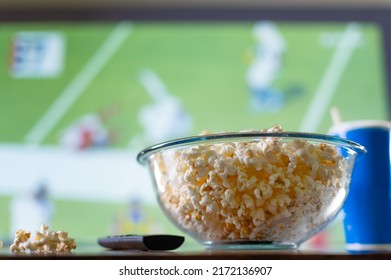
(253, 190)
(45, 241)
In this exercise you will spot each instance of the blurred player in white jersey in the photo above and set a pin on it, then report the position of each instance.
(165, 118)
(265, 68)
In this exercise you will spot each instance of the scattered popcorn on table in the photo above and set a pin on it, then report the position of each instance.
(261, 190)
(45, 242)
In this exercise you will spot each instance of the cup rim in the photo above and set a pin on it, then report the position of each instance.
(343, 127)
(243, 136)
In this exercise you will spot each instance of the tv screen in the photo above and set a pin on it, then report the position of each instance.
(79, 100)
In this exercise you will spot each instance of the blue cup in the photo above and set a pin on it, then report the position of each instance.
(367, 209)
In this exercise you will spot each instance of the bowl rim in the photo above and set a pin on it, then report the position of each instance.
(242, 136)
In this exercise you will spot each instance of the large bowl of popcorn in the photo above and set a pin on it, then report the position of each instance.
(267, 189)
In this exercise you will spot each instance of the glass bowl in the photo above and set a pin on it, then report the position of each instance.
(252, 190)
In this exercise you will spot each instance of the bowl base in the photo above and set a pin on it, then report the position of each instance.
(249, 245)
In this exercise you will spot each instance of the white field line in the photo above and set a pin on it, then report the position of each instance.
(96, 175)
(68, 97)
(328, 84)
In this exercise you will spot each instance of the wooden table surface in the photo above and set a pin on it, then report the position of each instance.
(92, 250)
(208, 255)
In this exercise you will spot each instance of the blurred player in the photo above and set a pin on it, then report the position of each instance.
(89, 131)
(165, 118)
(265, 67)
(30, 210)
(85, 133)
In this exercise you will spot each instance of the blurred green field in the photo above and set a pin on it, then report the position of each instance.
(4, 216)
(202, 64)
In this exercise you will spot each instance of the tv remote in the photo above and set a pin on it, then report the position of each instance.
(161, 242)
